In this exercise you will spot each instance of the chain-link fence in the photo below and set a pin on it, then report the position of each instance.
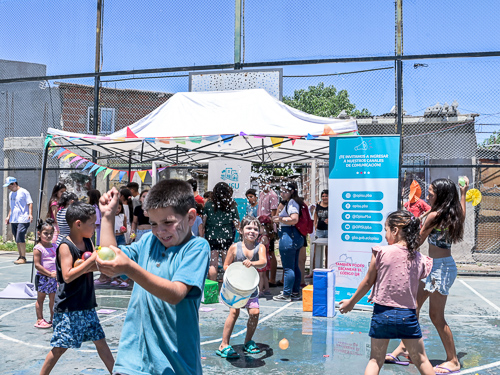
(339, 59)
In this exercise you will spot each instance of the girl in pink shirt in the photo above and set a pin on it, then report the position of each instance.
(394, 272)
(44, 256)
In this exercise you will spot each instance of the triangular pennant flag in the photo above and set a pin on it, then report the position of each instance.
(180, 141)
(63, 153)
(328, 130)
(243, 134)
(58, 152)
(294, 138)
(122, 173)
(258, 137)
(74, 138)
(52, 143)
(227, 138)
(142, 174)
(94, 168)
(276, 141)
(151, 140)
(195, 139)
(164, 141)
(99, 170)
(51, 150)
(211, 138)
(80, 162)
(108, 171)
(69, 155)
(89, 164)
(151, 172)
(131, 177)
(75, 159)
(309, 136)
(119, 139)
(113, 175)
(48, 138)
(130, 133)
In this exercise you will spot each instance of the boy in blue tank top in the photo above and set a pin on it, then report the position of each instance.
(169, 265)
(75, 319)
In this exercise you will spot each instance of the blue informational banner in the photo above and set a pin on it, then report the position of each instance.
(363, 190)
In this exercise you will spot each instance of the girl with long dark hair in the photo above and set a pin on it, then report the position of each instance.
(443, 226)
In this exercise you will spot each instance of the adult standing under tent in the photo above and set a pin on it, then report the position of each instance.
(134, 189)
(267, 206)
(20, 215)
(197, 197)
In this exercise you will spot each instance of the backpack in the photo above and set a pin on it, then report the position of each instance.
(305, 225)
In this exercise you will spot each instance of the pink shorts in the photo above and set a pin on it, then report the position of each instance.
(253, 303)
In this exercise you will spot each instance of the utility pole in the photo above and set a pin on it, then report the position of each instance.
(237, 34)
(97, 80)
(399, 88)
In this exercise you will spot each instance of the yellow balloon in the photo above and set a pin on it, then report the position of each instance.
(284, 344)
(474, 196)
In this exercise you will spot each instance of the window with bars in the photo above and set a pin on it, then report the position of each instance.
(106, 120)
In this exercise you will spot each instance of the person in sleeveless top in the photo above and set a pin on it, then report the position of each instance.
(252, 254)
(75, 319)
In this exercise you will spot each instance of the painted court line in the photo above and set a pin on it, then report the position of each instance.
(480, 296)
(244, 330)
(19, 308)
(476, 369)
(112, 317)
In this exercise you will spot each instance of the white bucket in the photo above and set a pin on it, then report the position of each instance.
(239, 284)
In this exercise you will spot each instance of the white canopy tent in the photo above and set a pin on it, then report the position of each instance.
(193, 127)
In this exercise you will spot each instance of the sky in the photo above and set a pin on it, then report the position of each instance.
(139, 35)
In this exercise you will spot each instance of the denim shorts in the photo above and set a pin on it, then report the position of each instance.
(321, 233)
(73, 328)
(19, 231)
(394, 323)
(442, 276)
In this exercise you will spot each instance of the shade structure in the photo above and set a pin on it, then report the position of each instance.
(193, 127)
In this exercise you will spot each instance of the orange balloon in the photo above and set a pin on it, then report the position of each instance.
(284, 344)
(78, 262)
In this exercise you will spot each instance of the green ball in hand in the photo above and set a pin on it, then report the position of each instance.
(106, 253)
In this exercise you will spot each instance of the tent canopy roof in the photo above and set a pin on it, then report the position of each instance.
(193, 127)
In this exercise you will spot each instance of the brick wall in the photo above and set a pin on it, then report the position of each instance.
(129, 105)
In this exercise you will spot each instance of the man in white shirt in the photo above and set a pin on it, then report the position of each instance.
(20, 215)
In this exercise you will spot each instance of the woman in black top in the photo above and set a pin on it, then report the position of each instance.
(140, 223)
(321, 226)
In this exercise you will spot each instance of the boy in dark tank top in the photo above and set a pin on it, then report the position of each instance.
(75, 319)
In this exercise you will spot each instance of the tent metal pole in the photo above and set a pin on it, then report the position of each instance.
(129, 165)
(40, 197)
(97, 81)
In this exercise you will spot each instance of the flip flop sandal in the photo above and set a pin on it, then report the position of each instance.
(123, 285)
(448, 371)
(251, 347)
(42, 324)
(228, 352)
(396, 361)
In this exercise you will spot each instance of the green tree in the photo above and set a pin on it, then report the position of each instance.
(493, 139)
(323, 101)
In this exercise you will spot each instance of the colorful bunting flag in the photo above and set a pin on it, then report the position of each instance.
(69, 155)
(164, 141)
(99, 170)
(58, 152)
(131, 177)
(48, 138)
(211, 138)
(113, 175)
(195, 139)
(151, 172)
(89, 164)
(80, 162)
(328, 130)
(62, 153)
(122, 173)
(130, 133)
(74, 159)
(276, 141)
(243, 134)
(95, 166)
(108, 171)
(142, 174)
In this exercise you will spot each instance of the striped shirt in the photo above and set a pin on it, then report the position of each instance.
(63, 226)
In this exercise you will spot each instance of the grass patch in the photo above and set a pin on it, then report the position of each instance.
(12, 246)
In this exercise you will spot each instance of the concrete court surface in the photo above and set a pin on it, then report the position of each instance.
(337, 345)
